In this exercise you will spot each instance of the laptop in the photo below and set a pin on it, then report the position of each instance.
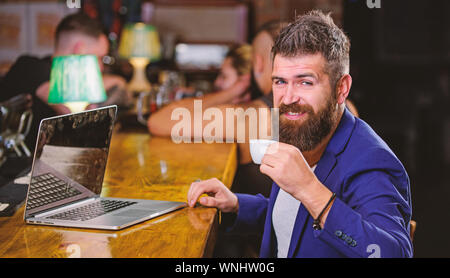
(67, 176)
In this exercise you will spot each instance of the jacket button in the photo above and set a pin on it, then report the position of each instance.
(338, 233)
(349, 240)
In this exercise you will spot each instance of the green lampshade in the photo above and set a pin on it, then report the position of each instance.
(76, 79)
(139, 40)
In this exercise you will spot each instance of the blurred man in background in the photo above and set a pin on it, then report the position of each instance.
(75, 34)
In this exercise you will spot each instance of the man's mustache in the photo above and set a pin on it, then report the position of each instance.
(296, 108)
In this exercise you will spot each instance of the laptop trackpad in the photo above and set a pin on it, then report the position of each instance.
(135, 213)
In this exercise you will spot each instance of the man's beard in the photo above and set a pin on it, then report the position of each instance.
(311, 132)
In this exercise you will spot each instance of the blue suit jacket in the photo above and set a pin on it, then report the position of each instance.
(370, 215)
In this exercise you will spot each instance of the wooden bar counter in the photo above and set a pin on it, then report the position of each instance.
(143, 167)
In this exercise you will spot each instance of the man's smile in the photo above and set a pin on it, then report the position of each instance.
(293, 116)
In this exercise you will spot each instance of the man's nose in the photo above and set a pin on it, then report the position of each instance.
(290, 96)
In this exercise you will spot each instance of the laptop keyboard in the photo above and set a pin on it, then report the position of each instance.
(91, 211)
(46, 189)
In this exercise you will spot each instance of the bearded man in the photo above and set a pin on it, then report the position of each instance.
(338, 190)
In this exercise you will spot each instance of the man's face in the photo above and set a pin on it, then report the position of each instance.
(307, 103)
(227, 75)
(261, 61)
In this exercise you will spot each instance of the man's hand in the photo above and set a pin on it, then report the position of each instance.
(246, 97)
(219, 195)
(286, 166)
(42, 93)
(116, 90)
(240, 87)
(111, 80)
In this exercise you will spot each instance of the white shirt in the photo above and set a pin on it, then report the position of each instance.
(283, 220)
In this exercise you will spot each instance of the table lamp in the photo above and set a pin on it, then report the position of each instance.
(140, 44)
(76, 81)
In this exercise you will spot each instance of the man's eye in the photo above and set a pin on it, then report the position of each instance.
(307, 83)
(279, 82)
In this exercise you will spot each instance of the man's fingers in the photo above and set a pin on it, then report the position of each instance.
(194, 194)
(267, 170)
(269, 160)
(274, 148)
(191, 188)
(199, 188)
(208, 201)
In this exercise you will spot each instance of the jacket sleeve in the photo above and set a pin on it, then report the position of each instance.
(371, 218)
(251, 215)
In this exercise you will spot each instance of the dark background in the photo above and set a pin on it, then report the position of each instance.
(400, 67)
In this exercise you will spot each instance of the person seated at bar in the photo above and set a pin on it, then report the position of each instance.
(236, 66)
(75, 34)
(339, 190)
(230, 86)
(159, 123)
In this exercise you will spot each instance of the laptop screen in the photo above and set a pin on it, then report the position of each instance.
(70, 158)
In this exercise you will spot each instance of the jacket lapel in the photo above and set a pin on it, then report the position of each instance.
(325, 166)
(268, 241)
(323, 170)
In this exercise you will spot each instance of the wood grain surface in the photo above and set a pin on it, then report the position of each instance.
(143, 167)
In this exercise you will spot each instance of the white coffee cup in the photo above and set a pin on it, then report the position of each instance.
(258, 148)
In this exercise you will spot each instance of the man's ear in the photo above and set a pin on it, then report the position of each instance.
(78, 47)
(258, 64)
(343, 88)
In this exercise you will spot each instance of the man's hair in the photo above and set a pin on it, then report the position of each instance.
(78, 23)
(241, 58)
(315, 32)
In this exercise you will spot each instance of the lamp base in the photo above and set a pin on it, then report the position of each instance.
(139, 82)
(77, 106)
